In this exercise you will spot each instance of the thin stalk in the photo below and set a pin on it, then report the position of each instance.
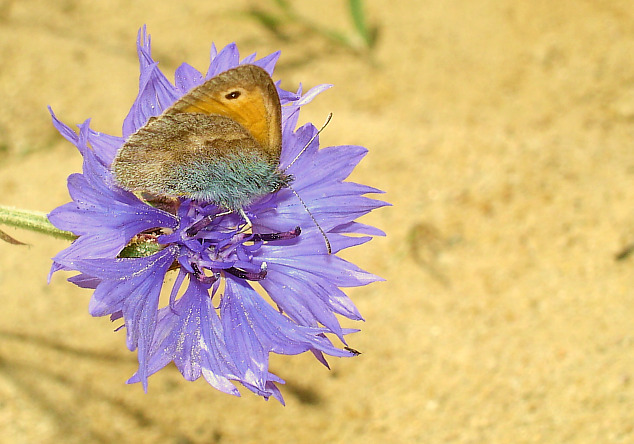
(32, 220)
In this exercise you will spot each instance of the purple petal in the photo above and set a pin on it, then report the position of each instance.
(105, 216)
(227, 58)
(131, 286)
(190, 334)
(187, 77)
(253, 329)
(267, 63)
(155, 92)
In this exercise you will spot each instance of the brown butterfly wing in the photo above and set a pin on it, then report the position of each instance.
(219, 143)
(209, 158)
(245, 94)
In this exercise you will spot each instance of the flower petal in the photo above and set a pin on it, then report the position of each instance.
(190, 334)
(131, 286)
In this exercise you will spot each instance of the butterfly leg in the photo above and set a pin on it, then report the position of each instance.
(204, 223)
(248, 225)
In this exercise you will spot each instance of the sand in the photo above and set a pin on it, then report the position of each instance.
(502, 133)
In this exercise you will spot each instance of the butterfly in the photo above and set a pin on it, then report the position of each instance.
(220, 143)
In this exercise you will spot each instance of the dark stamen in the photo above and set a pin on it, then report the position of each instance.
(352, 350)
(200, 276)
(292, 234)
(197, 272)
(248, 275)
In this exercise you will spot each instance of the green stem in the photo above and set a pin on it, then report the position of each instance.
(360, 24)
(32, 220)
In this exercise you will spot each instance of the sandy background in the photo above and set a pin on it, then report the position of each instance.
(503, 133)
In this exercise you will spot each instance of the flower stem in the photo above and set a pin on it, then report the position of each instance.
(32, 220)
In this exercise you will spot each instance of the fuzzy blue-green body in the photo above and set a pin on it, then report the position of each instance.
(209, 158)
(231, 182)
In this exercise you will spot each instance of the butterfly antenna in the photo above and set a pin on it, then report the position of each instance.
(321, 230)
(309, 142)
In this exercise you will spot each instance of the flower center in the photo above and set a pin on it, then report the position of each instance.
(212, 242)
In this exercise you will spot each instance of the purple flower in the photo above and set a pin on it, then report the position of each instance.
(213, 322)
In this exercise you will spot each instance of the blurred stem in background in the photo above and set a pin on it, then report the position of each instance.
(361, 41)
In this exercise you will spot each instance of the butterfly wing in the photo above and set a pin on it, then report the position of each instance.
(219, 143)
(210, 158)
(245, 94)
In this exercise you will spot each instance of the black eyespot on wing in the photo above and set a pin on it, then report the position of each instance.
(232, 95)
